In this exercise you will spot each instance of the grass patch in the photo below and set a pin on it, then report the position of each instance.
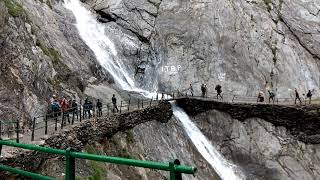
(129, 136)
(98, 168)
(13, 7)
(52, 53)
(268, 3)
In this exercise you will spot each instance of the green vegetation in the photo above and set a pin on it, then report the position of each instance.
(129, 136)
(52, 53)
(274, 52)
(268, 3)
(13, 7)
(98, 168)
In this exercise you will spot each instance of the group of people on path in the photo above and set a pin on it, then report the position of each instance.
(204, 90)
(68, 106)
(260, 97)
(272, 95)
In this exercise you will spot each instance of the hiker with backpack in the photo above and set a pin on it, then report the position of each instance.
(86, 108)
(218, 88)
(309, 95)
(271, 96)
(55, 107)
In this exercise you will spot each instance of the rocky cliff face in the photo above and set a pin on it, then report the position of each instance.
(262, 150)
(42, 54)
(244, 45)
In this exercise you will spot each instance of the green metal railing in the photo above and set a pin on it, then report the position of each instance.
(173, 167)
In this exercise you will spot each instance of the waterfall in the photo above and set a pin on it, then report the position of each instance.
(93, 34)
(223, 168)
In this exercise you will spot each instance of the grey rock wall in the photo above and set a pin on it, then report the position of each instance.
(260, 149)
(245, 46)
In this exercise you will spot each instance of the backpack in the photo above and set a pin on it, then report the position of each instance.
(218, 87)
(271, 94)
(55, 106)
(309, 94)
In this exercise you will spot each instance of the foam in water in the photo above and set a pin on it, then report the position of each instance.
(93, 33)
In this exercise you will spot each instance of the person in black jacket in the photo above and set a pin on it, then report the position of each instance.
(309, 95)
(114, 102)
(99, 108)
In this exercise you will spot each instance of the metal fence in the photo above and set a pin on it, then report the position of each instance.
(173, 167)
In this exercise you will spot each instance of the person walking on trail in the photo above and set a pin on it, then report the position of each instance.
(309, 95)
(74, 107)
(114, 102)
(191, 89)
(86, 108)
(271, 96)
(55, 107)
(297, 96)
(203, 90)
(99, 108)
(65, 109)
(260, 97)
(219, 91)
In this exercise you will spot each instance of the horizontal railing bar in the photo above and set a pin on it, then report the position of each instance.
(25, 173)
(133, 162)
(109, 159)
(34, 147)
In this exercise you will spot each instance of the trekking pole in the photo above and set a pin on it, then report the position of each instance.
(17, 140)
(33, 126)
(46, 125)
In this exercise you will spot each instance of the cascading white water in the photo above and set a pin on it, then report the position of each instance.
(223, 168)
(93, 33)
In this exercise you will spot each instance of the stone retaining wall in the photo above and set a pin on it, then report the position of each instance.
(302, 121)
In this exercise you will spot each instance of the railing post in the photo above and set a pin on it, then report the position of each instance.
(138, 103)
(151, 101)
(62, 119)
(17, 140)
(33, 126)
(142, 103)
(80, 110)
(129, 104)
(173, 174)
(0, 145)
(70, 166)
(0, 131)
(46, 125)
(157, 97)
(120, 106)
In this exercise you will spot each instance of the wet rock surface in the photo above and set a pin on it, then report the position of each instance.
(302, 121)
